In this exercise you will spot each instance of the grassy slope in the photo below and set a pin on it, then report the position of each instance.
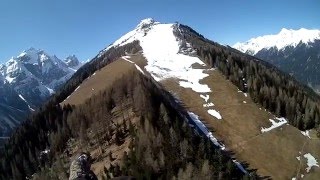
(273, 153)
(102, 79)
(100, 150)
(98, 82)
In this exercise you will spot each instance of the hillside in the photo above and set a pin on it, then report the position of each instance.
(293, 51)
(125, 134)
(174, 86)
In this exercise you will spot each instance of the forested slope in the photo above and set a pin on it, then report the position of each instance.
(276, 91)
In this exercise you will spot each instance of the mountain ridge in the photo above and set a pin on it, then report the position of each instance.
(285, 38)
(33, 76)
(299, 57)
(236, 67)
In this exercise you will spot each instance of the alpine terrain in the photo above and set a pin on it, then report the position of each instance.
(164, 102)
(27, 81)
(296, 52)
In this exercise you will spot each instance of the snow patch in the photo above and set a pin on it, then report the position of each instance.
(22, 54)
(43, 57)
(139, 69)
(212, 112)
(306, 133)
(10, 79)
(210, 104)
(76, 88)
(239, 166)
(21, 97)
(205, 130)
(275, 123)
(311, 161)
(205, 97)
(46, 151)
(72, 69)
(67, 98)
(51, 91)
(245, 94)
(126, 59)
(195, 85)
(215, 113)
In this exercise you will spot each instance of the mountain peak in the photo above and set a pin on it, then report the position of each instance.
(146, 23)
(285, 31)
(286, 37)
(136, 34)
(32, 50)
(72, 61)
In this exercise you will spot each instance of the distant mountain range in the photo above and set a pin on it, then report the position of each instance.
(26, 81)
(296, 52)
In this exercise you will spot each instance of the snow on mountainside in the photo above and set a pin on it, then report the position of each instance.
(295, 52)
(43, 71)
(161, 48)
(286, 37)
(162, 51)
(31, 78)
(168, 56)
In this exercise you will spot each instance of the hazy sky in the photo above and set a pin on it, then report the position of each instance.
(84, 27)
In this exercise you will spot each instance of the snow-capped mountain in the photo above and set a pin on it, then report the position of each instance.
(285, 38)
(29, 79)
(296, 52)
(163, 49)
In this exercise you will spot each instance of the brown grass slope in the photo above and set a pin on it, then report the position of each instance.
(102, 79)
(273, 153)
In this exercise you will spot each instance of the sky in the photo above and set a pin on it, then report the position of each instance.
(84, 27)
